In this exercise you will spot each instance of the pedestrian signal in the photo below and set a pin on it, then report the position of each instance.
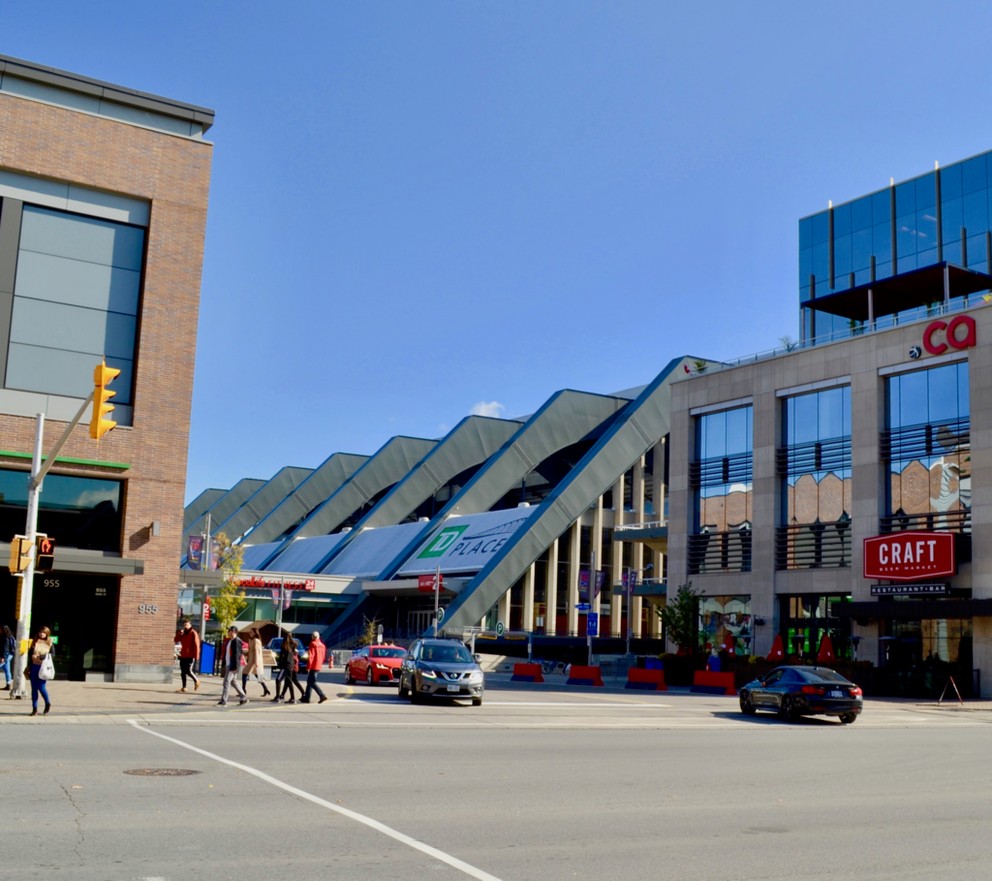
(44, 558)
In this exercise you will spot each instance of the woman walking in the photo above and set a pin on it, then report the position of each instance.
(8, 646)
(41, 646)
(289, 663)
(254, 667)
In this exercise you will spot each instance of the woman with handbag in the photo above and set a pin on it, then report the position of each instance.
(40, 668)
(289, 663)
(254, 667)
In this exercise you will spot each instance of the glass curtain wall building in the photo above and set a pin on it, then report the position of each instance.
(934, 232)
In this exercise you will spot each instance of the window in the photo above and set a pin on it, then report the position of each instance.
(74, 298)
(814, 466)
(78, 512)
(927, 445)
(721, 479)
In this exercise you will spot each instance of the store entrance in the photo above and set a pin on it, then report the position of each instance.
(918, 657)
(81, 611)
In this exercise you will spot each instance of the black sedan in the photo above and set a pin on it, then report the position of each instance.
(803, 691)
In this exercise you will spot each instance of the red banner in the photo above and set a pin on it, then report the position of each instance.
(910, 556)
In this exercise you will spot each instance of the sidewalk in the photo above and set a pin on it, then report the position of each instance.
(75, 701)
(89, 699)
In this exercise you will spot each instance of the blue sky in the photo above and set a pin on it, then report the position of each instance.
(425, 209)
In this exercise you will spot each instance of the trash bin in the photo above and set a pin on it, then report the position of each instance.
(208, 654)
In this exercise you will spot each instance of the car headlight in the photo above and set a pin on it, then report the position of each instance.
(379, 666)
(428, 674)
(476, 677)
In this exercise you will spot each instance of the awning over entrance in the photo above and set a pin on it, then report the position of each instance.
(912, 610)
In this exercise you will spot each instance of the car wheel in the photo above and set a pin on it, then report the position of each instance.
(747, 705)
(348, 678)
(788, 711)
(848, 718)
(369, 678)
(477, 702)
(403, 690)
(415, 696)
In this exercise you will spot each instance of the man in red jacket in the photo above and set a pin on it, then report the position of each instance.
(315, 660)
(189, 651)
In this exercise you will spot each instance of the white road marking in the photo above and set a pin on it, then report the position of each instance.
(439, 855)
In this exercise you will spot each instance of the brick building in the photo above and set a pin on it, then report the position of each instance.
(103, 202)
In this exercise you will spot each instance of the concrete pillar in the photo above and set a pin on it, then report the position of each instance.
(574, 546)
(527, 620)
(551, 590)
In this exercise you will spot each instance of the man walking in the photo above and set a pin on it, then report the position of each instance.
(315, 660)
(189, 651)
(233, 653)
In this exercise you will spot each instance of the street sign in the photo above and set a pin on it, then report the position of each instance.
(500, 628)
(425, 583)
(440, 615)
(592, 624)
(583, 607)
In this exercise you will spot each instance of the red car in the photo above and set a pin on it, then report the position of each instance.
(375, 664)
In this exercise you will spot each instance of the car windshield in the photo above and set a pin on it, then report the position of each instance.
(388, 653)
(447, 654)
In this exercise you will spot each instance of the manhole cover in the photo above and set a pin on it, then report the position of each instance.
(160, 772)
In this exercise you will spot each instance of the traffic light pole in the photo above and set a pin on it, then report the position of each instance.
(39, 468)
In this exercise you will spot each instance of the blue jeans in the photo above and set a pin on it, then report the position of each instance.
(313, 686)
(38, 686)
(6, 667)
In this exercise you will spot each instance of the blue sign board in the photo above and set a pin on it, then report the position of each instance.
(583, 607)
(592, 624)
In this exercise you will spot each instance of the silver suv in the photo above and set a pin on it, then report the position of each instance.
(441, 668)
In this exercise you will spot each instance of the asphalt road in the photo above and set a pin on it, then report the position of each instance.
(529, 787)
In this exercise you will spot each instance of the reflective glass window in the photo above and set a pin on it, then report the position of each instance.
(974, 176)
(842, 220)
(905, 199)
(951, 220)
(926, 191)
(978, 257)
(842, 261)
(821, 270)
(930, 447)
(861, 249)
(951, 182)
(975, 211)
(861, 213)
(76, 300)
(819, 228)
(78, 512)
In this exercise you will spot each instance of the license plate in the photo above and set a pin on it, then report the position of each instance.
(454, 688)
(836, 694)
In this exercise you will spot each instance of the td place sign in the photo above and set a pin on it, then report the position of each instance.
(910, 556)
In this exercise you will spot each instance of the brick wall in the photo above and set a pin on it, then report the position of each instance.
(173, 174)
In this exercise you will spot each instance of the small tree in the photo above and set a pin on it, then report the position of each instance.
(370, 631)
(229, 601)
(680, 618)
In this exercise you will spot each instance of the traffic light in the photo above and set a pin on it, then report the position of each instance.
(100, 424)
(20, 554)
(44, 555)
